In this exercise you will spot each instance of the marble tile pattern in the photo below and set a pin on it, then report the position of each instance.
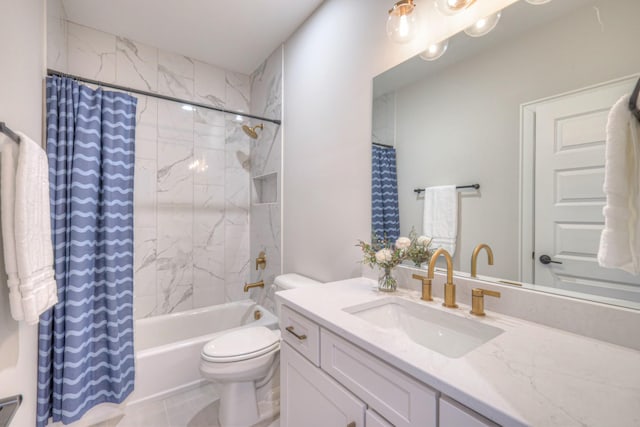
(266, 159)
(193, 168)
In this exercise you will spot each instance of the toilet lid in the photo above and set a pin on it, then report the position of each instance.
(241, 344)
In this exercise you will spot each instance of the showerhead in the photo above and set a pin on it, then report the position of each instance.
(252, 131)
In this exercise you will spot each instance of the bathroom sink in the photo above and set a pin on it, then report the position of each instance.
(448, 334)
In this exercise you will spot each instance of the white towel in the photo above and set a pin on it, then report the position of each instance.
(441, 216)
(26, 228)
(620, 239)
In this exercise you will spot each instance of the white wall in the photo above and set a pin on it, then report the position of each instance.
(328, 69)
(21, 74)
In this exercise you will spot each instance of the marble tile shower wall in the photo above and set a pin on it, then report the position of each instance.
(266, 161)
(192, 169)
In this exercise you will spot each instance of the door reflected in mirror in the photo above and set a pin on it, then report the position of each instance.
(523, 112)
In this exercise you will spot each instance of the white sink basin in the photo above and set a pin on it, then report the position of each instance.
(450, 335)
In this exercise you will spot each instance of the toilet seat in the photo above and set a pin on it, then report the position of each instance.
(241, 344)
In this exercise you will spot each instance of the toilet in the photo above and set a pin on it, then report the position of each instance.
(244, 360)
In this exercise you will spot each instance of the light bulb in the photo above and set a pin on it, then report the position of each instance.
(451, 7)
(435, 50)
(537, 2)
(483, 26)
(401, 24)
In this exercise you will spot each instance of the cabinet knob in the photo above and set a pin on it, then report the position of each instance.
(351, 424)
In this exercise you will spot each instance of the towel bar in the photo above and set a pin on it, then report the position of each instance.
(476, 186)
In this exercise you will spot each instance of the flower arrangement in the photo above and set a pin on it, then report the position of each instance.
(383, 253)
(420, 248)
(387, 255)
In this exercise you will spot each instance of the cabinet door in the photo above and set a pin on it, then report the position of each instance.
(396, 396)
(453, 414)
(311, 398)
(375, 420)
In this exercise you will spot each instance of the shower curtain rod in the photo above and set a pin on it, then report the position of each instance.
(51, 72)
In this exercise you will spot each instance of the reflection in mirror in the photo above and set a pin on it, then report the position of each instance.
(523, 112)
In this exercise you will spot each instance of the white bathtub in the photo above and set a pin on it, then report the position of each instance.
(168, 346)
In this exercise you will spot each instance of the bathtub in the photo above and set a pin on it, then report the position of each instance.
(168, 346)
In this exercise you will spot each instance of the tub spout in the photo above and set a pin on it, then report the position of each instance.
(248, 286)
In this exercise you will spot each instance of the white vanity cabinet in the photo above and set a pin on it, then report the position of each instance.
(374, 420)
(327, 381)
(350, 388)
(453, 414)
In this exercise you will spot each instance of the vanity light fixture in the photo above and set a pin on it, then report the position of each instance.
(483, 26)
(451, 7)
(401, 24)
(435, 50)
(537, 2)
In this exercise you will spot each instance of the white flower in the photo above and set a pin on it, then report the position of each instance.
(384, 255)
(403, 242)
(423, 241)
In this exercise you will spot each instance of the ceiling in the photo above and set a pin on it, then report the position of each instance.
(234, 35)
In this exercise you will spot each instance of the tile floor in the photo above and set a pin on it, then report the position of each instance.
(197, 407)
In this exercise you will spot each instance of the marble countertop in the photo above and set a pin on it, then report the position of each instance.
(530, 375)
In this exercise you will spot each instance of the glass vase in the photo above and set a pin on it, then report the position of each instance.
(386, 281)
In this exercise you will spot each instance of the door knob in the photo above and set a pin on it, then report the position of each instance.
(546, 259)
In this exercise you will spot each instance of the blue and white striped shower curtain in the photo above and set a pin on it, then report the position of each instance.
(385, 215)
(85, 346)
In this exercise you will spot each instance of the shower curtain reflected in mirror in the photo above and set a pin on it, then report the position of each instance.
(385, 216)
(85, 354)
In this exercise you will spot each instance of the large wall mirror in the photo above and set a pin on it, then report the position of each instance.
(521, 111)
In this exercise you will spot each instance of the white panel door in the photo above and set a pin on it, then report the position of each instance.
(569, 174)
(311, 398)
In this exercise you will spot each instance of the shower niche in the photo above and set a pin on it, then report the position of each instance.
(265, 188)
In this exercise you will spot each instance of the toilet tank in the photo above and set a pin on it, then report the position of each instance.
(293, 281)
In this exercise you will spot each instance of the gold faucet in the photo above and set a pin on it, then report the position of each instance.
(477, 300)
(474, 257)
(449, 287)
(248, 286)
(426, 287)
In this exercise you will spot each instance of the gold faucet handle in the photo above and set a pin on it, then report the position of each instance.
(261, 261)
(477, 300)
(426, 286)
(480, 291)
